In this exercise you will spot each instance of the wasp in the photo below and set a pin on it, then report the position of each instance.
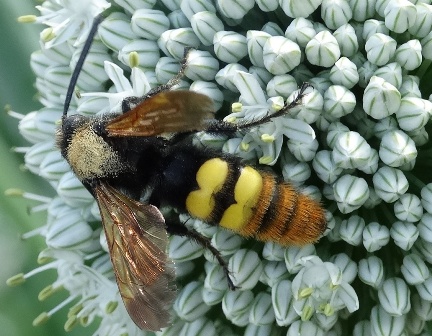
(120, 158)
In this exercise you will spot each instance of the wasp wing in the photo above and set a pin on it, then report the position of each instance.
(165, 112)
(137, 240)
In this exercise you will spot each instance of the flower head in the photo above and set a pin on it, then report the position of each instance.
(68, 19)
(320, 287)
(358, 141)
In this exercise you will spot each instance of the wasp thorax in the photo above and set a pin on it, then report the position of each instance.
(89, 155)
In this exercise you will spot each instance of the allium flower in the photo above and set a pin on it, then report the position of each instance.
(359, 141)
(66, 19)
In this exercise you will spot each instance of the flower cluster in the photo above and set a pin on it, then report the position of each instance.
(359, 140)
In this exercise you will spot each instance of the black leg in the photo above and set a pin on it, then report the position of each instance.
(182, 230)
(176, 79)
(130, 102)
(223, 127)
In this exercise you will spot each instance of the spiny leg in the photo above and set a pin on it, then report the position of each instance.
(219, 126)
(130, 102)
(183, 231)
(180, 74)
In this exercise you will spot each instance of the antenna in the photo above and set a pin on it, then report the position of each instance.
(85, 50)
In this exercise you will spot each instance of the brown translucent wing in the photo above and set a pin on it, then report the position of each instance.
(165, 112)
(137, 240)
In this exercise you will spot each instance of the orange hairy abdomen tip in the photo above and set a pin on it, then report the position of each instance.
(307, 224)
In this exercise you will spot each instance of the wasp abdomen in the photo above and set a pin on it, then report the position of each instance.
(254, 204)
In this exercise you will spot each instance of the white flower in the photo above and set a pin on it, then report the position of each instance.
(66, 18)
(399, 15)
(323, 49)
(414, 269)
(382, 323)
(138, 86)
(236, 306)
(230, 47)
(397, 149)
(380, 48)
(268, 137)
(404, 234)
(381, 99)
(350, 193)
(375, 236)
(336, 13)
(344, 72)
(371, 271)
(351, 230)
(408, 208)
(283, 303)
(189, 304)
(245, 277)
(319, 287)
(390, 183)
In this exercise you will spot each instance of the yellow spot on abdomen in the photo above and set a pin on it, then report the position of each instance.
(246, 194)
(211, 176)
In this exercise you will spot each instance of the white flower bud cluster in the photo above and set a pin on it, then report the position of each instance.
(359, 137)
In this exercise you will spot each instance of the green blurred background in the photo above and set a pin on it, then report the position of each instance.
(19, 305)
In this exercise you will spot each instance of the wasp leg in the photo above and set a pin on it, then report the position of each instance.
(130, 102)
(176, 79)
(183, 231)
(223, 127)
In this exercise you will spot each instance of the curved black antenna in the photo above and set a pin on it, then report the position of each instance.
(85, 50)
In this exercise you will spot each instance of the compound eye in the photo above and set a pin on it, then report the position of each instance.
(71, 123)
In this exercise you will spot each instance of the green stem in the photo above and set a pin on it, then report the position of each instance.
(414, 180)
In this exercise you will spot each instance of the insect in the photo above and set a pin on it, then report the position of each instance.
(121, 157)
